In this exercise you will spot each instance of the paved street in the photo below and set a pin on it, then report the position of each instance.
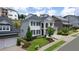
(72, 46)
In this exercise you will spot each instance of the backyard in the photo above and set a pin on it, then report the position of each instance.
(37, 42)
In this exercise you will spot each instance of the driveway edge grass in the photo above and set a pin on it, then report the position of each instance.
(56, 45)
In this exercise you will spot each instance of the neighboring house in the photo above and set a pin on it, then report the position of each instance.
(6, 31)
(49, 21)
(13, 14)
(3, 11)
(39, 25)
(73, 20)
(6, 27)
(64, 21)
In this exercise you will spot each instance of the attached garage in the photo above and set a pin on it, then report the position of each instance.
(7, 42)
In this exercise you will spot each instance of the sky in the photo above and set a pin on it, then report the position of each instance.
(58, 11)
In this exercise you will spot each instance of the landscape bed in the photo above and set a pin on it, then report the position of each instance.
(39, 41)
(56, 45)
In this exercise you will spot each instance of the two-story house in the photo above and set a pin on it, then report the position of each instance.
(39, 24)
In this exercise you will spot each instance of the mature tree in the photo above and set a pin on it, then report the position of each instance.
(22, 16)
(17, 24)
(29, 34)
(50, 31)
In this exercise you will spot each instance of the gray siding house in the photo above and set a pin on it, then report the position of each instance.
(39, 24)
(6, 27)
(7, 33)
(49, 21)
(33, 22)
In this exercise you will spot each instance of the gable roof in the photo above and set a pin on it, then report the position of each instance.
(61, 18)
(70, 16)
(43, 16)
(31, 16)
(64, 21)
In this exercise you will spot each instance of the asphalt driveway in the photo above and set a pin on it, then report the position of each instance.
(72, 46)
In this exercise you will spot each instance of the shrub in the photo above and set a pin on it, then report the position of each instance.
(64, 31)
(26, 44)
(29, 34)
(24, 38)
(50, 31)
(18, 42)
(50, 40)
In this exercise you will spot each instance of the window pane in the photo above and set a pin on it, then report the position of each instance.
(34, 32)
(42, 25)
(46, 25)
(39, 31)
(31, 23)
(7, 28)
(3, 27)
(34, 23)
(39, 23)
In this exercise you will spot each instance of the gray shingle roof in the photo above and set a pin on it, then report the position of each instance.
(43, 17)
(5, 18)
(61, 18)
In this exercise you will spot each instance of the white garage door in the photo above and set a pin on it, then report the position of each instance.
(7, 42)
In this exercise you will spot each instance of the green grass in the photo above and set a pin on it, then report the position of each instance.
(56, 45)
(39, 41)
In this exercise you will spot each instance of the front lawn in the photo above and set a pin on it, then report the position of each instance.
(56, 45)
(39, 41)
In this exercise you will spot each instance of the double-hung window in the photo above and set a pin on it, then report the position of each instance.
(32, 23)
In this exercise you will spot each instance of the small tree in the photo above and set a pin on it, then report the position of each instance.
(29, 34)
(50, 31)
